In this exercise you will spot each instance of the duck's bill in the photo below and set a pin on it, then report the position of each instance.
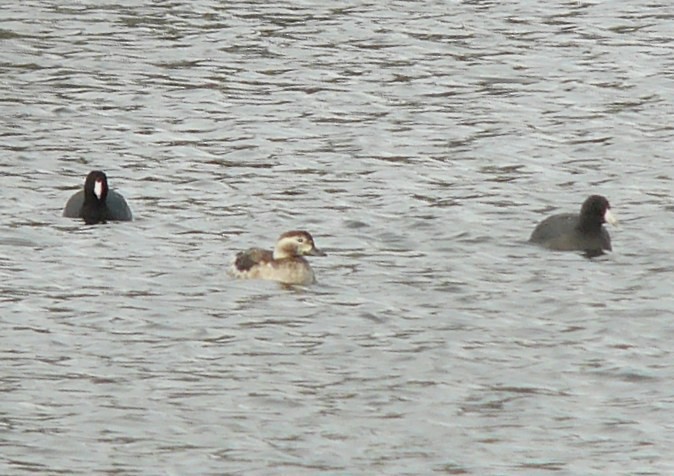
(316, 252)
(609, 218)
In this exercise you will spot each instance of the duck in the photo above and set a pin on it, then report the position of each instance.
(578, 232)
(96, 203)
(286, 264)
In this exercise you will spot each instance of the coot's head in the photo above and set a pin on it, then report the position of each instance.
(597, 209)
(96, 185)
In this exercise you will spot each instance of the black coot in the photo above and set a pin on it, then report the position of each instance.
(573, 232)
(97, 204)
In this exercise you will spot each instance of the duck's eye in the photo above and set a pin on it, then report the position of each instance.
(300, 240)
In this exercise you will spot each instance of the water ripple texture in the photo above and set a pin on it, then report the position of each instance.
(419, 143)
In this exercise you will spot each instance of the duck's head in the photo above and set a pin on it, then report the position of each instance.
(296, 243)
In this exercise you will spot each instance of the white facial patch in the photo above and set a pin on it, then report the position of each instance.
(98, 188)
(609, 218)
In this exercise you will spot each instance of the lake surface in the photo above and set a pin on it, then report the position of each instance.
(420, 143)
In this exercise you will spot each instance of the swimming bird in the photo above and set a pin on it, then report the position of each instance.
(96, 203)
(578, 232)
(286, 264)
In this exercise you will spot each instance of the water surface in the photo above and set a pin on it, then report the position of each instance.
(420, 143)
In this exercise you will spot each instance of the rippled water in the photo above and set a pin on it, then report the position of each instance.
(419, 142)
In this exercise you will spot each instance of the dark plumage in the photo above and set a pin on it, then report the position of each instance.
(245, 260)
(578, 232)
(96, 203)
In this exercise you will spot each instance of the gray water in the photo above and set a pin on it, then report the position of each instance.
(420, 143)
